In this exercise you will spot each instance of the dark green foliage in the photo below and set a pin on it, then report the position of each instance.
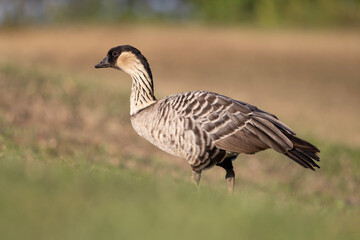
(270, 13)
(264, 13)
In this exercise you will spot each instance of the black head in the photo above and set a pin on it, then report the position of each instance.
(124, 58)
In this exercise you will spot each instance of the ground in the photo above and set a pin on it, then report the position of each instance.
(71, 166)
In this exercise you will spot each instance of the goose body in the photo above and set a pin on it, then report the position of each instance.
(175, 124)
(205, 128)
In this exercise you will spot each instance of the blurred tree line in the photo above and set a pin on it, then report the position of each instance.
(266, 13)
(281, 12)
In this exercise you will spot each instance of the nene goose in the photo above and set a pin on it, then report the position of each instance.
(205, 128)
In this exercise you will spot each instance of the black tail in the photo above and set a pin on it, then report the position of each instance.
(304, 153)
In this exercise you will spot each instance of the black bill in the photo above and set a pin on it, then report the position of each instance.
(103, 64)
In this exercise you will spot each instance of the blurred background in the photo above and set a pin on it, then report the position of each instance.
(71, 166)
(275, 13)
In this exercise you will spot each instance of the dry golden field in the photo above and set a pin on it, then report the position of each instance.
(57, 105)
(311, 80)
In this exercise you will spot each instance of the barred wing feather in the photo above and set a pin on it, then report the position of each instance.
(239, 127)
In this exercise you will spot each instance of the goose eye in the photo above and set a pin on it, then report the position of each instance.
(115, 53)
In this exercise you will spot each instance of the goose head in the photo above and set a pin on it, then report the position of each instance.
(126, 58)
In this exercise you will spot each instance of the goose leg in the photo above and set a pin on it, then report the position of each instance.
(230, 179)
(230, 174)
(196, 176)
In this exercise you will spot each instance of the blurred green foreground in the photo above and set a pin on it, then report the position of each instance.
(63, 200)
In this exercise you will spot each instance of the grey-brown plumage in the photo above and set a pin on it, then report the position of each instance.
(204, 128)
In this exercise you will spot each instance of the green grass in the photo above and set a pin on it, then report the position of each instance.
(50, 198)
(57, 179)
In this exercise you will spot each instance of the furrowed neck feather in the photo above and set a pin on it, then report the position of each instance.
(142, 89)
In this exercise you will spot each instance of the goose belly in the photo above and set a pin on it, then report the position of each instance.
(167, 136)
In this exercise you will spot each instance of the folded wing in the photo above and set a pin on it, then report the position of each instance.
(239, 127)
